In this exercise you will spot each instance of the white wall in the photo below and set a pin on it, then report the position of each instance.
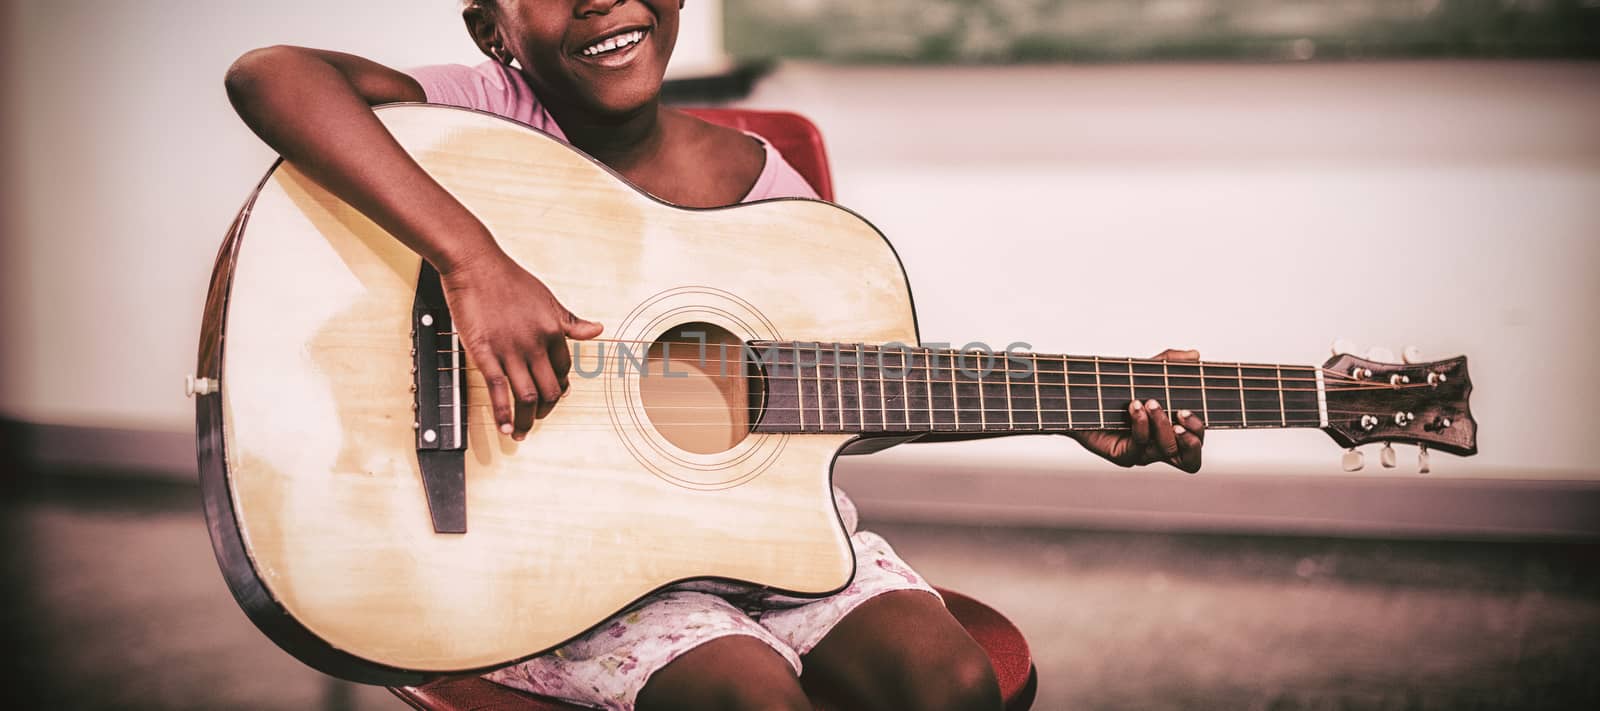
(1249, 211)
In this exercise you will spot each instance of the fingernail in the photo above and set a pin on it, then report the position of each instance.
(1134, 406)
(1178, 429)
(1152, 404)
(505, 429)
(1185, 414)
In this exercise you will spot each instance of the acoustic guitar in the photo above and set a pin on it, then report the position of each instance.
(371, 520)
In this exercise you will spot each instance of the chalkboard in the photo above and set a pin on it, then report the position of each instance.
(998, 31)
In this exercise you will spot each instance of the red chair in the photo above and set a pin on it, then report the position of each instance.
(801, 144)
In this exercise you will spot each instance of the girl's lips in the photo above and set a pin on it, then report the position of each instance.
(618, 58)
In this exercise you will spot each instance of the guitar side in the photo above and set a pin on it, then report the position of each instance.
(308, 454)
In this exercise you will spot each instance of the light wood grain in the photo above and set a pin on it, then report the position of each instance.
(584, 516)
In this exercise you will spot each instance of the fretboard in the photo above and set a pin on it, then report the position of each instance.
(856, 388)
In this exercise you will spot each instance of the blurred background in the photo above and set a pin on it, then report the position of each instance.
(1251, 178)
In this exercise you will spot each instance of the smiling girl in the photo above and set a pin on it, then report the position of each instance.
(590, 72)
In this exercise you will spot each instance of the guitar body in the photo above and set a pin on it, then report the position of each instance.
(309, 455)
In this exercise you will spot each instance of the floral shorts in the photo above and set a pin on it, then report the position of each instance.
(609, 665)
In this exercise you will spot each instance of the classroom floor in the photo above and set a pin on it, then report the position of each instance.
(114, 601)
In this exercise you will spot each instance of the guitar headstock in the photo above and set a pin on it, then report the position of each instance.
(1419, 403)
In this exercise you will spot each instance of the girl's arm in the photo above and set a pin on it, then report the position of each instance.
(314, 108)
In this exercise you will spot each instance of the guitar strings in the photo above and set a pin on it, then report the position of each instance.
(938, 410)
(966, 414)
(826, 380)
(818, 349)
(833, 427)
(733, 365)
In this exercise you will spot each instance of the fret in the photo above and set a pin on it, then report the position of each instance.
(941, 391)
(1023, 387)
(1150, 383)
(1066, 392)
(1004, 364)
(820, 392)
(924, 373)
(1116, 388)
(1223, 397)
(994, 389)
(840, 408)
(1244, 412)
(902, 378)
(1263, 402)
(1083, 393)
(951, 359)
(892, 376)
(827, 410)
(827, 393)
(1300, 403)
(970, 359)
(1166, 387)
(1099, 394)
(800, 387)
(861, 395)
(887, 402)
(872, 389)
(1184, 382)
(965, 393)
(1283, 409)
(1050, 379)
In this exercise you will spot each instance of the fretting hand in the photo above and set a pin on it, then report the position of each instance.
(1151, 435)
(515, 331)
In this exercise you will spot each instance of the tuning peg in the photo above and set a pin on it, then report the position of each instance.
(1343, 346)
(1411, 354)
(1353, 460)
(1386, 456)
(1380, 354)
(1422, 459)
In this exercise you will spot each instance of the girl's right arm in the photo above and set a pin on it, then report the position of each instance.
(314, 108)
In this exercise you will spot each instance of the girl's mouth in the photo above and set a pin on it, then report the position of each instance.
(615, 50)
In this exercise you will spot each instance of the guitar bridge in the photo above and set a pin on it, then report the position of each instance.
(438, 365)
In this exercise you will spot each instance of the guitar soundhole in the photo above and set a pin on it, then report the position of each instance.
(696, 388)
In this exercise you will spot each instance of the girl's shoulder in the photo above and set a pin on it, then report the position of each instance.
(778, 178)
(489, 86)
(747, 159)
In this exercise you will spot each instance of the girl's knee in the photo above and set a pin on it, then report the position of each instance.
(963, 681)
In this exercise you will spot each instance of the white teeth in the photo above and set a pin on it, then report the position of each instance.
(616, 42)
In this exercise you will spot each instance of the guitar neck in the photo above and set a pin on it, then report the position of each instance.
(866, 389)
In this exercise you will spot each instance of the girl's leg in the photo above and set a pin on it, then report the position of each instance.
(735, 673)
(886, 641)
(903, 650)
